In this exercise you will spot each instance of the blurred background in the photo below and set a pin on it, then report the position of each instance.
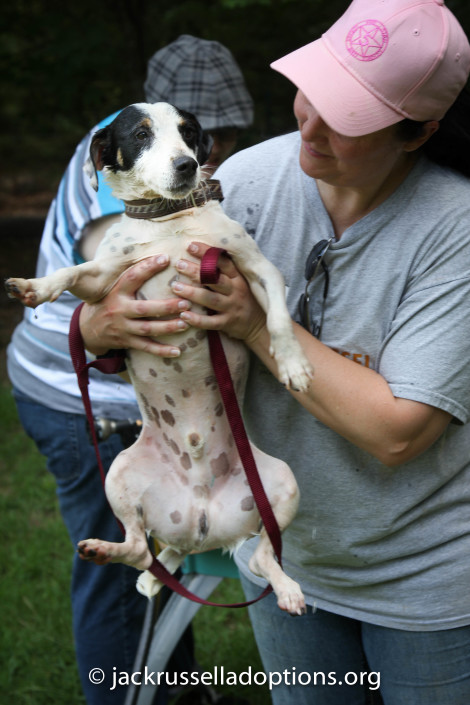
(63, 67)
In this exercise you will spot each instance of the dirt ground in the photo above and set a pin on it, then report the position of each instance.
(21, 223)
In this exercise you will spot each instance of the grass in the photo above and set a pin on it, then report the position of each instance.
(36, 647)
(224, 638)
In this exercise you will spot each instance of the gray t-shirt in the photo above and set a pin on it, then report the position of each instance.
(389, 546)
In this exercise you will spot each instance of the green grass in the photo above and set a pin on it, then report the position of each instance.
(36, 648)
(224, 638)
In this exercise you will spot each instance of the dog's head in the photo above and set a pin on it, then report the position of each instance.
(150, 150)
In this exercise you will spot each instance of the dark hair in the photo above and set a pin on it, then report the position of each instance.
(450, 144)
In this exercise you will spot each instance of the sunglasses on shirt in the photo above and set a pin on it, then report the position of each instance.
(315, 262)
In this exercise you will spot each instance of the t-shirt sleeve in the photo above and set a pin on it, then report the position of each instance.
(426, 355)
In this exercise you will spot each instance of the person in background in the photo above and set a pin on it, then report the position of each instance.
(199, 76)
(365, 209)
(203, 78)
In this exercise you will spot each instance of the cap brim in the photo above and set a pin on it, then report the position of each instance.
(341, 100)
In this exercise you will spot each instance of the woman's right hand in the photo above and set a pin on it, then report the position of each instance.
(234, 309)
(120, 320)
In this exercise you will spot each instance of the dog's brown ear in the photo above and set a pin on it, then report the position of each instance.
(95, 161)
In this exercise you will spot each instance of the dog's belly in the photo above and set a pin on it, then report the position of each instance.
(184, 477)
(195, 503)
(198, 510)
(184, 473)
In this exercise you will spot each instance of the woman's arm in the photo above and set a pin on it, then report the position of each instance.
(353, 400)
(357, 403)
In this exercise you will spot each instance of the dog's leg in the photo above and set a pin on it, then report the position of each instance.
(267, 285)
(134, 551)
(295, 371)
(147, 584)
(89, 281)
(288, 592)
(284, 502)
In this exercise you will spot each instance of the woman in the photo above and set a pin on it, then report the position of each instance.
(380, 442)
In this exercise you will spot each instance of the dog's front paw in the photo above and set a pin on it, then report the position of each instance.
(32, 292)
(294, 370)
(95, 551)
(23, 290)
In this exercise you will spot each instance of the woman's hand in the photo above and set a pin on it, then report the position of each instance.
(235, 310)
(122, 321)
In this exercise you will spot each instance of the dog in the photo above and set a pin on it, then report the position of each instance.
(182, 481)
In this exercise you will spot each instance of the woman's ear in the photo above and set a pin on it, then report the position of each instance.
(429, 128)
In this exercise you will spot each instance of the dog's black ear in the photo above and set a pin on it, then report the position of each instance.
(204, 148)
(95, 162)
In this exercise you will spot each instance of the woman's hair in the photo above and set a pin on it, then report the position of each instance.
(450, 144)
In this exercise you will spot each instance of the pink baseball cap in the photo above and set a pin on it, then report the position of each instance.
(381, 62)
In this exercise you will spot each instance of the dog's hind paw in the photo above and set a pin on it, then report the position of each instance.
(290, 598)
(148, 585)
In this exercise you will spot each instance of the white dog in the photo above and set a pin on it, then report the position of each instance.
(182, 481)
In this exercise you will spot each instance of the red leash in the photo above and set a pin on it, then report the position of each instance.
(210, 275)
(112, 365)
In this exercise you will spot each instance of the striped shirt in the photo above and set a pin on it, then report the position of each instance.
(39, 363)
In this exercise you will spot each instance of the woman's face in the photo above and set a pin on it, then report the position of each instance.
(354, 162)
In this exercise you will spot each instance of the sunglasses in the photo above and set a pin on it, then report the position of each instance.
(315, 262)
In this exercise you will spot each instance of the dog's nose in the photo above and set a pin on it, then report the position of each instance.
(185, 165)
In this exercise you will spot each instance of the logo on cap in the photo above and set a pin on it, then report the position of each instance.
(367, 40)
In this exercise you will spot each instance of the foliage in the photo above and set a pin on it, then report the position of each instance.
(61, 72)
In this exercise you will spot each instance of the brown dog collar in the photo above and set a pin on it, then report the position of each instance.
(146, 209)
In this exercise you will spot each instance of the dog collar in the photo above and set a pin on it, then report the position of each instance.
(145, 208)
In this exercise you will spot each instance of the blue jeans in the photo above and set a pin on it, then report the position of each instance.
(107, 609)
(314, 653)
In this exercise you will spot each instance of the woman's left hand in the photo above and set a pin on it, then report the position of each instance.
(235, 310)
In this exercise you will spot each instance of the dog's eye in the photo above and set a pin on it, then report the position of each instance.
(188, 132)
(142, 135)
